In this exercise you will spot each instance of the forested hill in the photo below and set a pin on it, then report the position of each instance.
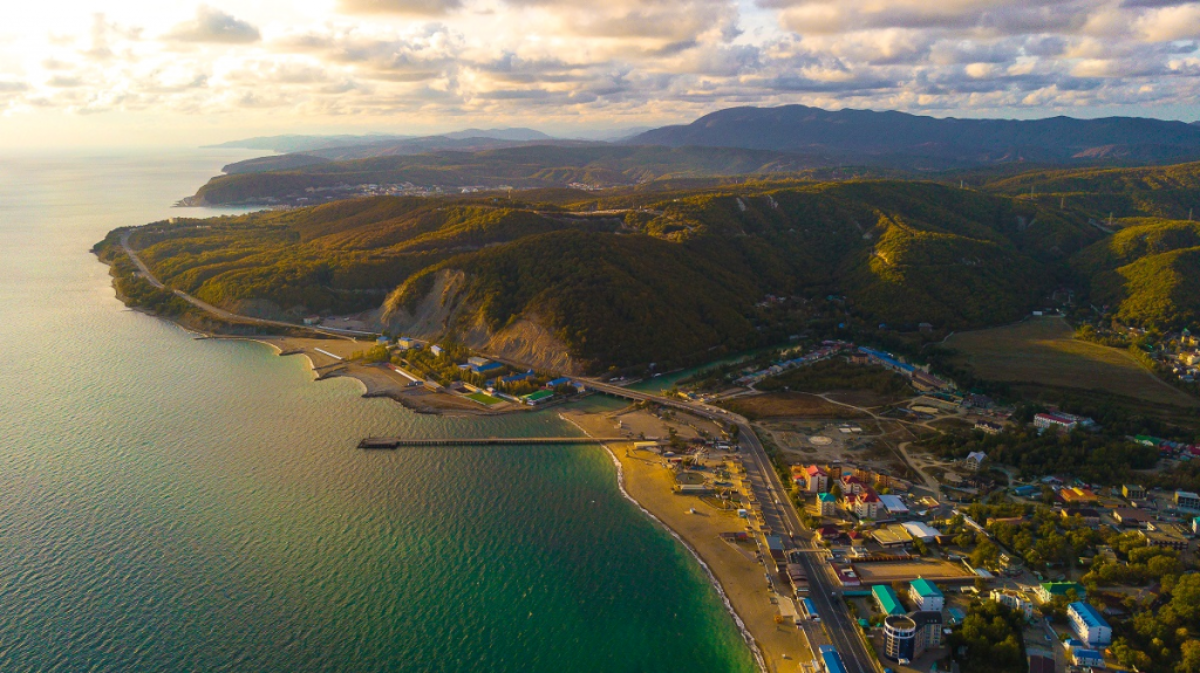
(901, 139)
(588, 280)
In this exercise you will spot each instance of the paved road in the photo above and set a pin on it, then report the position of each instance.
(222, 313)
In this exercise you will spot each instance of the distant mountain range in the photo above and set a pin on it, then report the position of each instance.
(903, 140)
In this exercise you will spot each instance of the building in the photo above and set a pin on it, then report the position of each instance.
(887, 600)
(921, 531)
(829, 660)
(775, 547)
(1187, 500)
(926, 382)
(1056, 421)
(989, 427)
(312, 320)
(852, 484)
(899, 638)
(826, 504)
(974, 460)
(816, 479)
(539, 397)
(1013, 600)
(929, 629)
(925, 595)
(1089, 625)
(1196, 526)
(436, 350)
(560, 381)
(891, 536)
(478, 361)
(894, 504)
(1133, 492)
(1048, 591)
(1158, 538)
(1085, 657)
(1077, 495)
(1131, 516)
(1090, 516)
(864, 506)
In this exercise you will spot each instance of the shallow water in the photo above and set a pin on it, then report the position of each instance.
(180, 505)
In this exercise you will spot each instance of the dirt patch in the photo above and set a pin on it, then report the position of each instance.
(906, 571)
(794, 405)
(1044, 351)
(862, 398)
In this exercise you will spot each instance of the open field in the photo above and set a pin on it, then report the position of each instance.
(484, 398)
(1044, 351)
(906, 571)
(796, 405)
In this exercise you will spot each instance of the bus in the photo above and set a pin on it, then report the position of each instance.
(809, 610)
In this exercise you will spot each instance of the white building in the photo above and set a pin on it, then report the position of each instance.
(1013, 600)
(894, 504)
(975, 460)
(436, 349)
(1089, 625)
(1187, 500)
(925, 595)
(921, 531)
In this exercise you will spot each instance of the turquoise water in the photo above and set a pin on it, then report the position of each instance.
(169, 504)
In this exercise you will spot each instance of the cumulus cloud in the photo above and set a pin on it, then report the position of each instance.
(214, 26)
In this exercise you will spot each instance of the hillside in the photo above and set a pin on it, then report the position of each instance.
(523, 167)
(1170, 192)
(903, 140)
(671, 277)
(1149, 273)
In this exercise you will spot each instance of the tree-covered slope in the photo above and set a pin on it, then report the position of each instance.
(1148, 274)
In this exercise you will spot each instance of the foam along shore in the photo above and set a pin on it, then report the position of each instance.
(330, 358)
(737, 575)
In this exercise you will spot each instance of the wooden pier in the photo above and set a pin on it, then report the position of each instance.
(395, 443)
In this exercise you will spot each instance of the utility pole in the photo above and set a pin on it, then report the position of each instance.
(1062, 203)
(1110, 220)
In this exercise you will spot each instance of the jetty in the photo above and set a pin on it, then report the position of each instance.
(395, 442)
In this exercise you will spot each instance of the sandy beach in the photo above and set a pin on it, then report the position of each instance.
(780, 647)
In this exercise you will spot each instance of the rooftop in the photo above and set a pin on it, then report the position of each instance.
(1090, 615)
(888, 600)
(826, 497)
(925, 588)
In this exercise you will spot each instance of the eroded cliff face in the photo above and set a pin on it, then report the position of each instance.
(443, 310)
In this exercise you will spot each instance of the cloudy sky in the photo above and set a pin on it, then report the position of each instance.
(146, 71)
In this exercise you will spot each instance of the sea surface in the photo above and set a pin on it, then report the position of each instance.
(171, 504)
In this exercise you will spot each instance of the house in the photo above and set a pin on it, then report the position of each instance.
(1090, 516)
(406, 343)
(887, 600)
(925, 595)
(894, 504)
(1131, 516)
(975, 460)
(816, 479)
(1056, 421)
(436, 350)
(921, 531)
(828, 533)
(1085, 657)
(1013, 600)
(989, 427)
(539, 397)
(1048, 591)
(1133, 492)
(826, 504)
(1187, 500)
(1089, 624)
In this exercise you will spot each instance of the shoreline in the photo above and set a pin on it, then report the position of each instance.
(715, 581)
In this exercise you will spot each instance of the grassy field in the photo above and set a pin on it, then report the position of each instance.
(1044, 351)
(484, 398)
(780, 405)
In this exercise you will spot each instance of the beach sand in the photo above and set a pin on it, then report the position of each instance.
(737, 574)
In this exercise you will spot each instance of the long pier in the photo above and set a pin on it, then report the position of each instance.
(395, 442)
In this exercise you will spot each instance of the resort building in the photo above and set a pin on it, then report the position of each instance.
(1089, 625)
(1013, 600)
(852, 485)
(826, 504)
(1057, 421)
(1131, 516)
(816, 479)
(925, 595)
(887, 600)
(1047, 591)
(975, 460)
(899, 638)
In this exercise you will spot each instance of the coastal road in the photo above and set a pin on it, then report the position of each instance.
(222, 313)
(780, 516)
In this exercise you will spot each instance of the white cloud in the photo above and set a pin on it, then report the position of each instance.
(214, 26)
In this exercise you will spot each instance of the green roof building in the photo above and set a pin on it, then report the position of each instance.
(534, 399)
(1049, 590)
(889, 602)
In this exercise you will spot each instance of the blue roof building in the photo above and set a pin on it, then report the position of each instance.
(561, 381)
(1089, 625)
(831, 661)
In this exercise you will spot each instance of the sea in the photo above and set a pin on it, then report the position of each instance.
(174, 504)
